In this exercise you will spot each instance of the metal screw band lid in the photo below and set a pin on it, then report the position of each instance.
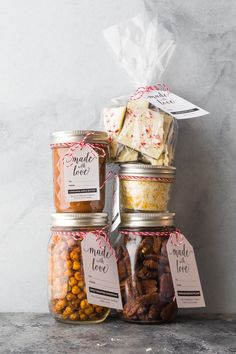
(73, 136)
(134, 220)
(130, 169)
(79, 219)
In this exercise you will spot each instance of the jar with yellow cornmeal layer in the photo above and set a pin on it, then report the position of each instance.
(67, 291)
(145, 187)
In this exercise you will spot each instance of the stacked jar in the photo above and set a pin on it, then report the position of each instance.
(146, 225)
(79, 170)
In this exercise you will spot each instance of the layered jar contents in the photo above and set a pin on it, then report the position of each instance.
(67, 289)
(144, 271)
(79, 169)
(145, 188)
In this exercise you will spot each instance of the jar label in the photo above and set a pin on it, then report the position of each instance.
(174, 105)
(184, 272)
(101, 273)
(81, 175)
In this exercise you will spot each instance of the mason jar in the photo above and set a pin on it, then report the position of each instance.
(79, 168)
(67, 289)
(145, 188)
(144, 272)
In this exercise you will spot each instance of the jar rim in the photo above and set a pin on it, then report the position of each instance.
(73, 136)
(79, 219)
(131, 169)
(133, 220)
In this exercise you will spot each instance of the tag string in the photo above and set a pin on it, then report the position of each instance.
(141, 178)
(74, 146)
(78, 235)
(143, 89)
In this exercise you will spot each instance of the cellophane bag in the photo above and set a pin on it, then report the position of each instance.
(138, 130)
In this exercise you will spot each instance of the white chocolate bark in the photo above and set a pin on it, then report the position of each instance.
(127, 155)
(143, 131)
(113, 120)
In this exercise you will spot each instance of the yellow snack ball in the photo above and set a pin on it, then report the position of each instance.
(83, 317)
(77, 275)
(99, 309)
(60, 305)
(75, 290)
(84, 303)
(75, 303)
(68, 264)
(93, 316)
(81, 283)
(68, 311)
(72, 281)
(81, 295)
(74, 255)
(76, 265)
(68, 273)
(88, 310)
(74, 317)
(70, 297)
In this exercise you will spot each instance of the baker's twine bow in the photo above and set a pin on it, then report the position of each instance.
(143, 89)
(68, 156)
(176, 236)
(99, 233)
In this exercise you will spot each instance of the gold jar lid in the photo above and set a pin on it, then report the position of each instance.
(79, 219)
(73, 136)
(147, 219)
(144, 170)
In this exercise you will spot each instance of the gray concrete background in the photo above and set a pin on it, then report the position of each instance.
(56, 72)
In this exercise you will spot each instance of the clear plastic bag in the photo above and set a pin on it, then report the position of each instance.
(138, 130)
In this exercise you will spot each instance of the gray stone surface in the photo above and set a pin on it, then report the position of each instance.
(56, 72)
(38, 333)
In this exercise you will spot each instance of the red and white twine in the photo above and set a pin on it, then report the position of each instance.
(143, 89)
(175, 235)
(143, 178)
(99, 233)
(73, 146)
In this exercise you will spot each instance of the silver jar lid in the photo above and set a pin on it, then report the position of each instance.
(130, 169)
(73, 136)
(79, 219)
(147, 219)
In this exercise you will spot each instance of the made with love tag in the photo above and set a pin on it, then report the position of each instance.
(101, 273)
(174, 105)
(81, 175)
(184, 272)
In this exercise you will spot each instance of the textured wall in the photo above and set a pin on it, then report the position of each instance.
(55, 73)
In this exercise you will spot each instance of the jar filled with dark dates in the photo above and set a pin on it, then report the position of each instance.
(67, 289)
(145, 279)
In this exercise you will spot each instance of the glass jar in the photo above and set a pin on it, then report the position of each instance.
(67, 292)
(79, 169)
(144, 272)
(145, 188)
